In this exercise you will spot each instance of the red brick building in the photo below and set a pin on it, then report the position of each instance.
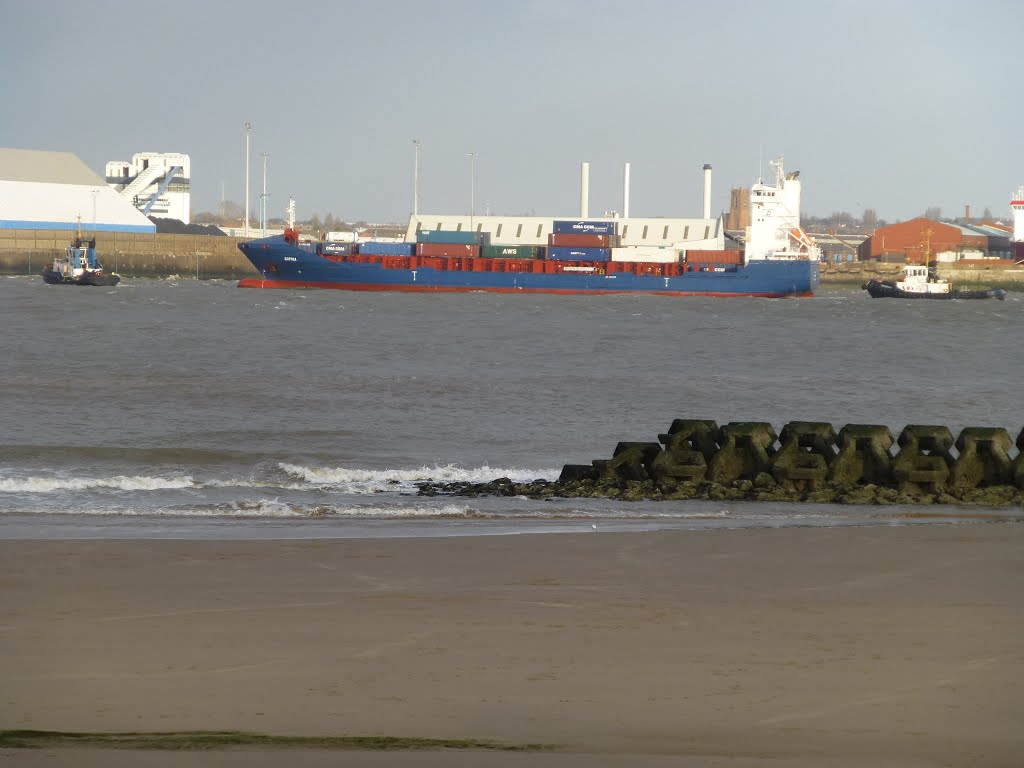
(920, 240)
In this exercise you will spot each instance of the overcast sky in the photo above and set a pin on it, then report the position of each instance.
(898, 105)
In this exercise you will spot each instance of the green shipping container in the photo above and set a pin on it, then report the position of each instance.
(510, 252)
(457, 237)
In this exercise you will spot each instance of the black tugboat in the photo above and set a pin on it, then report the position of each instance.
(79, 266)
(920, 282)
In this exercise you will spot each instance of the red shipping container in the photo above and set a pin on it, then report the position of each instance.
(447, 249)
(582, 241)
(714, 257)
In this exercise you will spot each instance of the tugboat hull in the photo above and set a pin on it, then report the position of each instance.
(886, 289)
(88, 278)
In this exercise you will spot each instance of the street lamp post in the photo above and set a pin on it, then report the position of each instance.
(248, 131)
(263, 197)
(416, 180)
(472, 187)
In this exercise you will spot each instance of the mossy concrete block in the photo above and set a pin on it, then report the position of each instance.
(746, 449)
(692, 435)
(572, 472)
(924, 461)
(864, 455)
(807, 449)
(676, 466)
(983, 458)
(630, 461)
(1018, 463)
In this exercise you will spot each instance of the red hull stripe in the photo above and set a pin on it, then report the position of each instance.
(255, 282)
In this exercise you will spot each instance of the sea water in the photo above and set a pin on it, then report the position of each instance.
(195, 409)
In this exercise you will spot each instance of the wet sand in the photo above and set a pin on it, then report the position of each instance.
(899, 646)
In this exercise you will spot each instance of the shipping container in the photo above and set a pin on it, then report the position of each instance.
(372, 248)
(564, 253)
(447, 249)
(584, 241)
(341, 237)
(714, 257)
(461, 237)
(585, 227)
(648, 254)
(510, 251)
(335, 249)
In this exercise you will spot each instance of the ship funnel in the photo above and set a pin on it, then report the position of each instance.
(584, 190)
(625, 191)
(707, 191)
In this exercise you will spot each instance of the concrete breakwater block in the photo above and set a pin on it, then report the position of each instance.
(810, 456)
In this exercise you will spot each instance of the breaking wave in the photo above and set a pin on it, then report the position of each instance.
(285, 476)
(118, 483)
(404, 480)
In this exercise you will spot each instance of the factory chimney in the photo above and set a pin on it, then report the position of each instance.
(707, 190)
(967, 214)
(625, 192)
(585, 190)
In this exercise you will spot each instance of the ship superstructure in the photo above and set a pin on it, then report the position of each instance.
(775, 231)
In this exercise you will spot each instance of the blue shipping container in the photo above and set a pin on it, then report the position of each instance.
(387, 249)
(585, 227)
(567, 253)
(453, 237)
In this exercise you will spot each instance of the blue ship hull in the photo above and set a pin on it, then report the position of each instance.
(284, 265)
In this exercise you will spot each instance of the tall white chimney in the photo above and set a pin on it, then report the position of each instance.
(707, 190)
(625, 192)
(585, 190)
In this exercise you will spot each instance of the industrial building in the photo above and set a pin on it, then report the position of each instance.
(156, 183)
(920, 241)
(41, 190)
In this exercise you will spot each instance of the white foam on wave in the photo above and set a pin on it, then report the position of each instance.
(276, 508)
(378, 480)
(118, 483)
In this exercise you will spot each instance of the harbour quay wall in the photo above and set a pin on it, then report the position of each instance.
(27, 251)
(1000, 273)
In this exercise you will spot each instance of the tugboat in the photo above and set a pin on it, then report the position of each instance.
(79, 266)
(921, 282)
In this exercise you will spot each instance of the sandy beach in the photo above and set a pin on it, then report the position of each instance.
(881, 646)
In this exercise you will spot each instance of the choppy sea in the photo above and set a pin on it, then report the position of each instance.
(195, 409)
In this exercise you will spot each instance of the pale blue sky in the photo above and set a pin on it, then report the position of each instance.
(896, 106)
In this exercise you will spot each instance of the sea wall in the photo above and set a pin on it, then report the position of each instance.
(27, 251)
(1000, 274)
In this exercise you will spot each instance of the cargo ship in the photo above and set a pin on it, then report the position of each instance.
(583, 255)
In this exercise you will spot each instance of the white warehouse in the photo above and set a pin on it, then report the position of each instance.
(56, 190)
(156, 183)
